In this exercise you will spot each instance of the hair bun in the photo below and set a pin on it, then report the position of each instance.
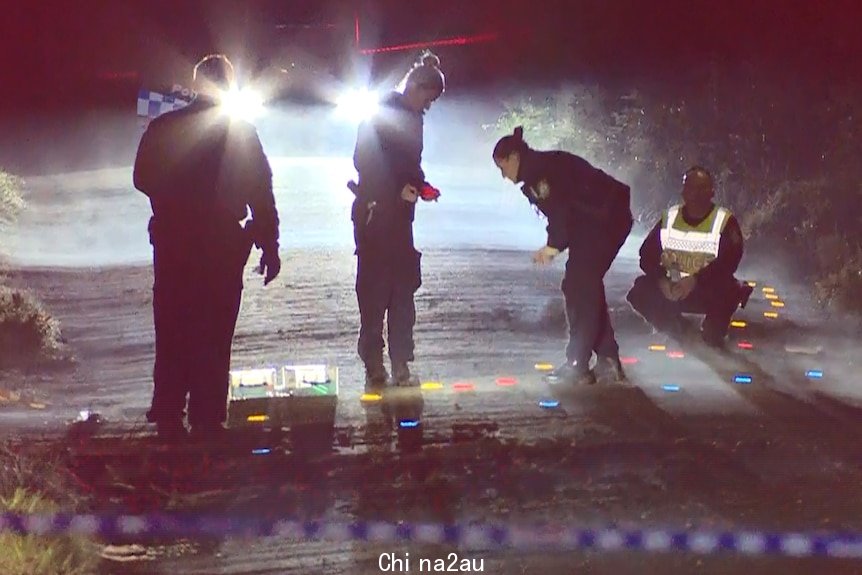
(519, 133)
(430, 59)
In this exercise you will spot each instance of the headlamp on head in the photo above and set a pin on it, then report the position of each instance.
(245, 103)
(214, 76)
(358, 104)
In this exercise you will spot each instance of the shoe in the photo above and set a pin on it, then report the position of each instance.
(569, 374)
(375, 376)
(559, 373)
(171, 432)
(745, 292)
(611, 368)
(401, 375)
(679, 328)
(207, 433)
(712, 340)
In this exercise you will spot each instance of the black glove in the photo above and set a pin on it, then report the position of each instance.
(270, 266)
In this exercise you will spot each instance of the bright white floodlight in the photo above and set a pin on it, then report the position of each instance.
(358, 104)
(245, 104)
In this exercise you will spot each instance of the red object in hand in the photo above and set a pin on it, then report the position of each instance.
(429, 193)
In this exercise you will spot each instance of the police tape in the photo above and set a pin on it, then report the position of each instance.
(468, 536)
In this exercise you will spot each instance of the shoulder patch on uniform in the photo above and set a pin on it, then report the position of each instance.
(542, 190)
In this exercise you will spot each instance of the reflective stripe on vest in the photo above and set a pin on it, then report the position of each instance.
(688, 249)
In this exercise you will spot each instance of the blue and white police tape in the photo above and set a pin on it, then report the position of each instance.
(154, 104)
(468, 536)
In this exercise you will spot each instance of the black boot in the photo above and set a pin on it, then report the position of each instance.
(713, 339)
(211, 432)
(171, 432)
(401, 375)
(744, 294)
(611, 368)
(570, 374)
(375, 375)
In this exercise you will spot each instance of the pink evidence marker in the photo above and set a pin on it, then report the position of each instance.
(506, 381)
(628, 360)
(745, 345)
(675, 354)
(463, 386)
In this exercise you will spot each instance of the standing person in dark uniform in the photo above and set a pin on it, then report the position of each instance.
(689, 259)
(588, 213)
(202, 170)
(388, 159)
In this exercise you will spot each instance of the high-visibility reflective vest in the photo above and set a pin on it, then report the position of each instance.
(685, 249)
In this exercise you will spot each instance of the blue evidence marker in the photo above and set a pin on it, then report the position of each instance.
(549, 403)
(814, 373)
(670, 387)
(408, 423)
(742, 378)
(262, 451)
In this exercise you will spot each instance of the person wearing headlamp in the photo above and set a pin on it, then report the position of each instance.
(388, 157)
(202, 171)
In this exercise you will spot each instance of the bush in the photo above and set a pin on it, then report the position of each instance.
(38, 554)
(10, 197)
(784, 156)
(27, 332)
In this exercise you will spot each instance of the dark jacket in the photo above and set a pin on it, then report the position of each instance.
(582, 203)
(202, 172)
(721, 269)
(387, 156)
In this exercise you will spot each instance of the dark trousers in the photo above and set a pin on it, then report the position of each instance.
(716, 302)
(384, 290)
(583, 286)
(196, 300)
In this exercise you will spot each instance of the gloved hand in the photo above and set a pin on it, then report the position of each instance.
(666, 288)
(270, 266)
(683, 288)
(545, 255)
(429, 193)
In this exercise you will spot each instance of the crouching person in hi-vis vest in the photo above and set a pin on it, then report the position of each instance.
(688, 260)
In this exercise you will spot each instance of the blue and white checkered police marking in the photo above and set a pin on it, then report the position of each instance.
(472, 536)
(154, 104)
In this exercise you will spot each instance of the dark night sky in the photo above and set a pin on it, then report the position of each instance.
(71, 42)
